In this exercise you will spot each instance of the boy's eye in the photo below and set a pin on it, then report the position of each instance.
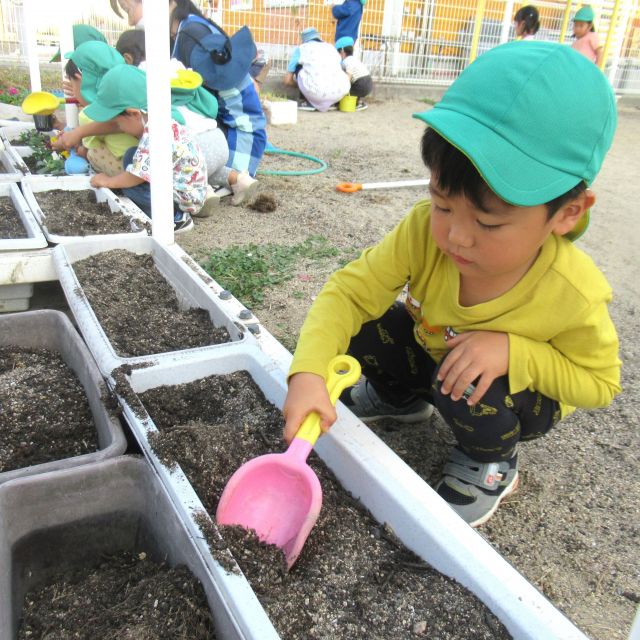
(489, 226)
(436, 206)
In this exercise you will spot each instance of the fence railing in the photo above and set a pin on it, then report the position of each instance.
(421, 42)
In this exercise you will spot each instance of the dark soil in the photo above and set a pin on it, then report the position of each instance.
(44, 412)
(127, 597)
(10, 224)
(353, 574)
(138, 309)
(76, 213)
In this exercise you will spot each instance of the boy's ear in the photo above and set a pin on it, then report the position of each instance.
(566, 218)
(128, 58)
(132, 112)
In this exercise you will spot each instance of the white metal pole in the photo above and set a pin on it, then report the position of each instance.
(65, 31)
(160, 139)
(506, 21)
(27, 14)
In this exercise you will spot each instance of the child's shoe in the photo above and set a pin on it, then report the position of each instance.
(475, 489)
(183, 223)
(303, 105)
(365, 402)
(211, 204)
(244, 188)
(361, 105)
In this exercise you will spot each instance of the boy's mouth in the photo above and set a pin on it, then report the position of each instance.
(459, 259)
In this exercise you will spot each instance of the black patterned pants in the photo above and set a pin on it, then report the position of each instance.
(401, 370)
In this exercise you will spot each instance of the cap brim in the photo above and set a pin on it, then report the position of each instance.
(510, 173)
(100, 113)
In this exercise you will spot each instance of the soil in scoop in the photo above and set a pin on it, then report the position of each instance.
(353, 580)
(77, 213)
(44, 411)
(138, 309)
(10, 224)
(126, 596)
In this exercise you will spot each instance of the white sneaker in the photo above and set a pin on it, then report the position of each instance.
(211, 203)
(244, 188)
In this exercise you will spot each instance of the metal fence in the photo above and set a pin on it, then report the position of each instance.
(423, 42)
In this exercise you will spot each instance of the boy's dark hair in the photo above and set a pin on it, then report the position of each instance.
(458, 176)
(132, 42)
(71, 69)
(531, 18)
(347, 50)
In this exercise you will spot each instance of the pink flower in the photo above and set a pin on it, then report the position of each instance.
(13, 91)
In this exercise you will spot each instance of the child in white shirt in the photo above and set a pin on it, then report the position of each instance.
(359, 75)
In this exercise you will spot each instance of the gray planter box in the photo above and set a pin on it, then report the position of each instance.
(34, 238)
(383, 483)
(52, 330)
(32, 185)
(78, 514)
(191, 291)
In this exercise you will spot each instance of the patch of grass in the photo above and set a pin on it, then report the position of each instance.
(18, 77)
(430, 101)
(248, 270)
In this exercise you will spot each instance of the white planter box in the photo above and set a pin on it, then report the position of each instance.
(8, 165)
(192, 292)
(34, 184)
(281, 112)
(35, 239)
(384, 484)
(15, 297)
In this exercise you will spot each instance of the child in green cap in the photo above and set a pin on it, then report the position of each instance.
(504, 327)
(586, 39)
(102, 143)
(122, 97)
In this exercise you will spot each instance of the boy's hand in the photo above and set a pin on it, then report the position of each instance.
(476, 354)
(99, 180)
(68, 139)
(307, 393)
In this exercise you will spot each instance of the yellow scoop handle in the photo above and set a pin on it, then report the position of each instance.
(343, 371)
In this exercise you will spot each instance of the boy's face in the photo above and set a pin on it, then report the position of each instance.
(498, 243)
(75, 83)
(131, 122)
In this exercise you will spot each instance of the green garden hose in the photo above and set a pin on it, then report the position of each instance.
(296, 154)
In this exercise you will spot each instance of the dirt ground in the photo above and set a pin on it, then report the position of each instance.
(573, 527)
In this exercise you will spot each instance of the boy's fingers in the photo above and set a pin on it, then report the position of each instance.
(481, 388)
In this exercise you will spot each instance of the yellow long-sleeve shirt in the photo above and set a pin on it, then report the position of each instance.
(562, 341)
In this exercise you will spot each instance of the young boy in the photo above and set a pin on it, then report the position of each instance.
(505, 327)
(359, 76)
(122, 96)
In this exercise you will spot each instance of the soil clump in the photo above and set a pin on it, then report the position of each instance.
(138, 309)
(44, 411)
(353, 577)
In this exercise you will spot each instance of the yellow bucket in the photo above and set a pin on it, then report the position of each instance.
(348, 103)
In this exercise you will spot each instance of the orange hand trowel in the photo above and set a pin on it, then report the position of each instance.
(352, 187)
(278, 495)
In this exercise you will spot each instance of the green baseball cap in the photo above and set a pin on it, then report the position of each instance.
(585, 14)
(81, 33)
(122, 87)
(516, 115)
(94, 59)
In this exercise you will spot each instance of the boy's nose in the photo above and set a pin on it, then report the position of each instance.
(460, 235)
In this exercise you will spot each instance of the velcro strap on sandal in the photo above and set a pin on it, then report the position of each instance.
(482, 474)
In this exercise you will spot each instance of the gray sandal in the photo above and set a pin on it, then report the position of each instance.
(475, 489)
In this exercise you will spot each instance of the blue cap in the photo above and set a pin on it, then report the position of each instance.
(345, 41)
(310, 33)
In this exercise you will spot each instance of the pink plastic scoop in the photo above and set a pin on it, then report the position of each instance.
(278, 495)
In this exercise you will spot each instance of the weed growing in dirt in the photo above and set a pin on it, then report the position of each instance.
(44, 158)
(247, 270)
